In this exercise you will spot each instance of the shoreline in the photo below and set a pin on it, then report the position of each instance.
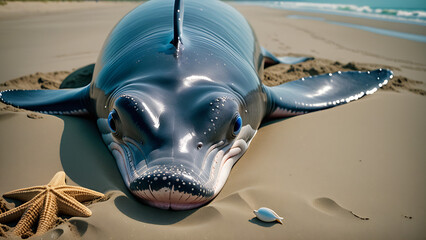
(394, 15)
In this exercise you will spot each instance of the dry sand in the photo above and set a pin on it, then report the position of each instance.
(356, 171)
(46, 37)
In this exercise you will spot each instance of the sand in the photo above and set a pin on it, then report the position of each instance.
(46, 37)
(352, 172)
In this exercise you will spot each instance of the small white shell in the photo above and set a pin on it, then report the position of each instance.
(267, 215)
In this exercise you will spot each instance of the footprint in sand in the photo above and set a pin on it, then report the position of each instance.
(330, 207)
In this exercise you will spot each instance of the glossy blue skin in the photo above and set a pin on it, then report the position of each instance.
(137, 55)
(218, 57)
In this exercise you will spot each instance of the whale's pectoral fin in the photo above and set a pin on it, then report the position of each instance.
(323, 91)
(271, 60)
(64, 101)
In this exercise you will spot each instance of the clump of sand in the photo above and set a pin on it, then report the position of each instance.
(50, 80)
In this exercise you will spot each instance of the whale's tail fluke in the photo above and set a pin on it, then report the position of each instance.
(177, 23)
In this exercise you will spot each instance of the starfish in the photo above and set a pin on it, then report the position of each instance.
(46, 202)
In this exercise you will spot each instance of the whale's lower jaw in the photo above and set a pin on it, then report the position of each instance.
(172, 187)
(174, 200)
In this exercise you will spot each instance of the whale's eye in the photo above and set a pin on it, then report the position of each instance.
(111, 121)
(238, 123)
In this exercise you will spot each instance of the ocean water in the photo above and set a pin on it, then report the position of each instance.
(406, 11)
(408, 36)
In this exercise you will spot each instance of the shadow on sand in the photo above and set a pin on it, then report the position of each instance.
(143, 213)
(262, 224)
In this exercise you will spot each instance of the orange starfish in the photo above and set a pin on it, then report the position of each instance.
(46, 202)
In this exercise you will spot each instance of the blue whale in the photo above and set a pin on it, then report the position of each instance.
(177, 96)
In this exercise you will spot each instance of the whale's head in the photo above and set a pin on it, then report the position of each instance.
(176, 153)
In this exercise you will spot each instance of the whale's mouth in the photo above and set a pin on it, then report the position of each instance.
(172, 187)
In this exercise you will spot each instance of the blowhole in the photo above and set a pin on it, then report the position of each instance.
(199, 145)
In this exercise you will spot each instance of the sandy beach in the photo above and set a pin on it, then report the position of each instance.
(356, 171)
